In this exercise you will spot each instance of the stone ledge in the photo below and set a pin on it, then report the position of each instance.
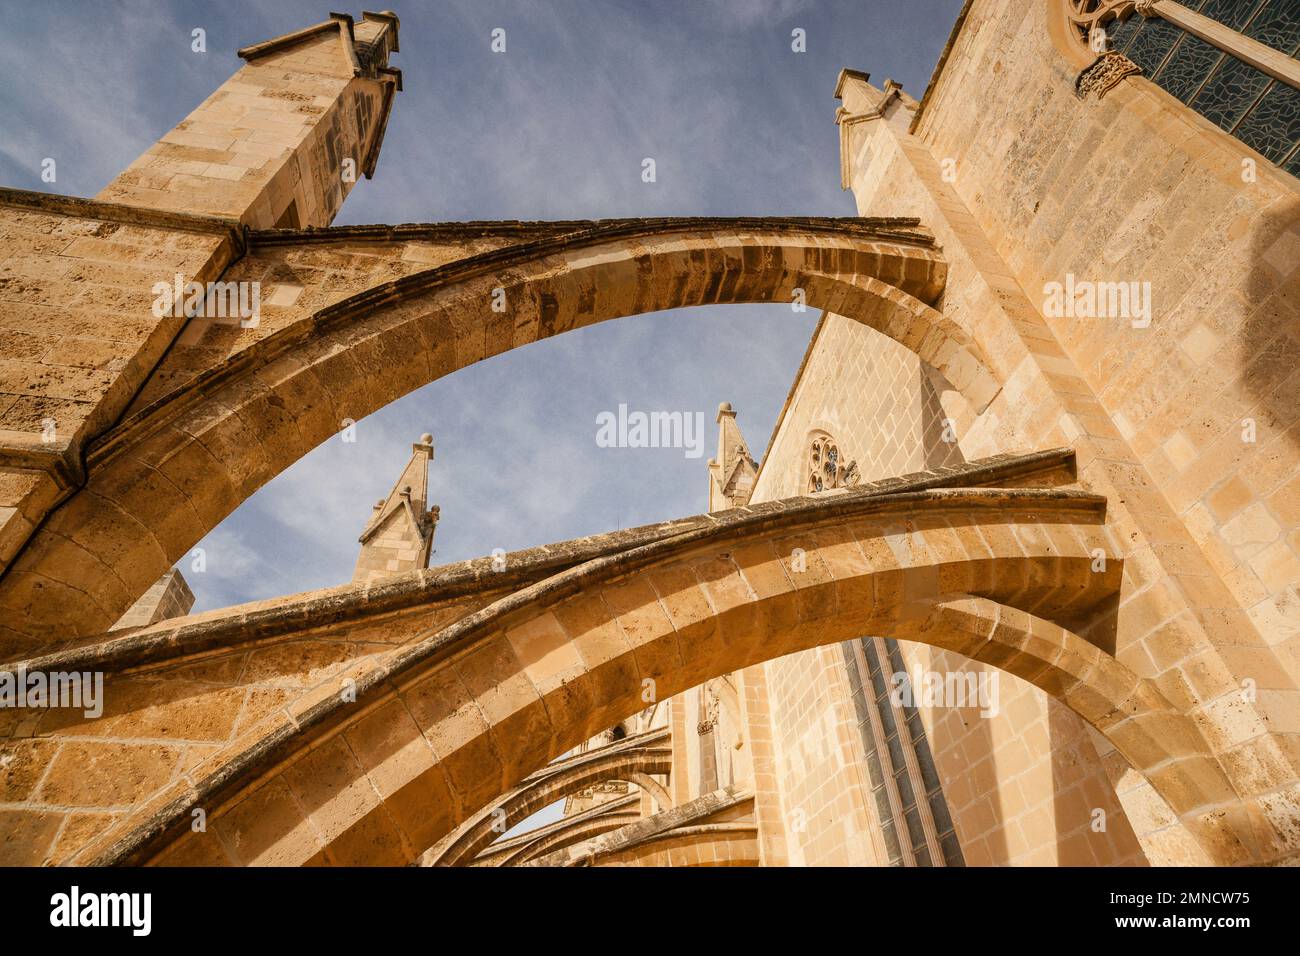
(123, 213)
(180, 638)
(903, 229)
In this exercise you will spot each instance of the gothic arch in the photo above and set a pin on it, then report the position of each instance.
(635, 756)
(171, 473)
(480, 704)
(657, 792)
(712, 844)
(579, 831)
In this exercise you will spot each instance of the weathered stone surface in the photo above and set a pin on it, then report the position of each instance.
(1124, 592)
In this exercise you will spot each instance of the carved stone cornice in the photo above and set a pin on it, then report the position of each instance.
(59, 205)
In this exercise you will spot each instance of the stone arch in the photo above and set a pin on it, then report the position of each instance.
(634, 756)
(478, 705)
(715, 829)
(579, 832)
(710, 844)
(603, 819)
(657, 792)
(171, 473)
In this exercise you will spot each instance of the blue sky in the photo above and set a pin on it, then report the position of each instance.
(556, 127)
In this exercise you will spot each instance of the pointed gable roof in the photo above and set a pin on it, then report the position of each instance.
(411, 493)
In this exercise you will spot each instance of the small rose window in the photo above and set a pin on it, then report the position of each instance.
(823, 464)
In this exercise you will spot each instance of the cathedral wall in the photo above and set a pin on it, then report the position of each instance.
(871, 396)
(1021, 784)
(78, 315)
(711, 736)
(1194, 414)
(817, 761)
(80, 334)
(1136, 187)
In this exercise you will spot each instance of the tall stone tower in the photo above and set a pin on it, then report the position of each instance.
(279, 144)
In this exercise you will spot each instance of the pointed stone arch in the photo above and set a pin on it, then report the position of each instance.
(716, 829)
(578, 829)
(173, 471)
(449, 722)
(637, 756)
(658, 793)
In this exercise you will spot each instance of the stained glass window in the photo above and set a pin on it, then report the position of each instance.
(1262, 112)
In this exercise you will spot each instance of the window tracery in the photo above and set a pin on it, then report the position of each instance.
(826, 467)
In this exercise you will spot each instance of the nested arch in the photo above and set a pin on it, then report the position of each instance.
(445, 726)
(710, 844)
(165, 478)
(618, 815)
(658, 793)
(647, 753)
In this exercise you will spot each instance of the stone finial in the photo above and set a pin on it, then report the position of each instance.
(399, 535)
(733, 471)
(849, 74)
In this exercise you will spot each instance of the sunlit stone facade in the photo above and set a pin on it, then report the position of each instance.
(1013, 581)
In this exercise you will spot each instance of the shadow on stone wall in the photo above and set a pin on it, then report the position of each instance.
(1079, 787)
(1269, 351)
(938, 452)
